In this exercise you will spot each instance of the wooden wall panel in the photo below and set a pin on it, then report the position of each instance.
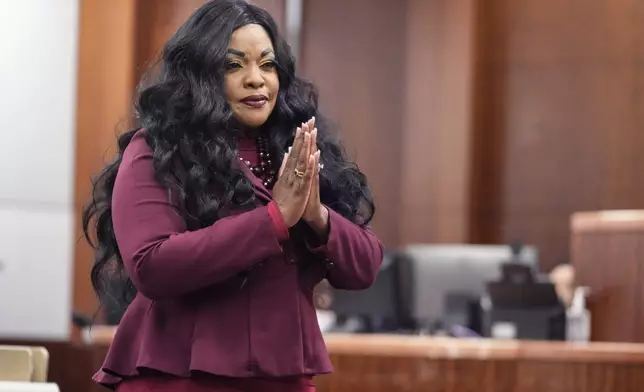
(560, 94)
(277, 9)
(401, 96)
(487, 136)
(360, 72)
(435, 173)
(105, 83)
(156, 22)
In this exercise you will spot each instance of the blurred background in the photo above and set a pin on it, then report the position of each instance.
(502, 140)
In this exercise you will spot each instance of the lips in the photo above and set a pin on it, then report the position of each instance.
(255, 101)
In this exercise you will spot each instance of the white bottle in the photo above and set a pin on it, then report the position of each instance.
(578, 317)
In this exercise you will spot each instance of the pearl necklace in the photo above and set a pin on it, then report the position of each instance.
(264, 169)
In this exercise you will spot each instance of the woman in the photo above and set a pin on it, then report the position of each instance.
(222, 243)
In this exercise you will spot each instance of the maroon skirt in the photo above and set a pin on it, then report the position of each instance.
(161, 383)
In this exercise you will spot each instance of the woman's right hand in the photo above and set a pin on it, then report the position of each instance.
(291, 191)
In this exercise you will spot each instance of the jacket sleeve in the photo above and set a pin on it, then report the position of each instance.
(353, 255)
(163, 258)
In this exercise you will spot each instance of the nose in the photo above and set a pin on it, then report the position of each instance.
(254, 78)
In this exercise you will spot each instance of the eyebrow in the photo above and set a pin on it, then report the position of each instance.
(237, 52)
(242, 54)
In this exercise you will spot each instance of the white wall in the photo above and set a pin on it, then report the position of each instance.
(38, 61)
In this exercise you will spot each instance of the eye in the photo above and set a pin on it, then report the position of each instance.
(233, 65)
(269, 65)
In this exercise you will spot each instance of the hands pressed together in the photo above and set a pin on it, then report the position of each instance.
(297, 190)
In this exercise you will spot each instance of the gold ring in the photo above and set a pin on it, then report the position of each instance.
(299, 173)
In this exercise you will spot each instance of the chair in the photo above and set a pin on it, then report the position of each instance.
(9, 386)
(24, 364)
(16, 363)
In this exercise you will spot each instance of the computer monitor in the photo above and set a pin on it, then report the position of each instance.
(433, 275)
(377, 306)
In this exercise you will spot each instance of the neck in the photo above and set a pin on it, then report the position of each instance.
(246, 132)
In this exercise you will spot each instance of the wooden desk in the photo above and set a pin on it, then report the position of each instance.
(400, 363)
(389, 363)
(607, 251)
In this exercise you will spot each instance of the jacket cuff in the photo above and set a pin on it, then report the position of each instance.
(313, 241)
(279, 225)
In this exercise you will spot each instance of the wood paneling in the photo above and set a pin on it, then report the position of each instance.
(437, 114)
(607, 252)
(156, 22)
(488, 137)
(105, 83)
(499, 121)
(277, 9)
(559, 94)
(360, 72)
(399, 363)
(400, 94)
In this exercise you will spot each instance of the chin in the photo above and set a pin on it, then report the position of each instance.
(255, 120)
(254, 123)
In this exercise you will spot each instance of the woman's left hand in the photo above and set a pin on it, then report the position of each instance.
(315, 214)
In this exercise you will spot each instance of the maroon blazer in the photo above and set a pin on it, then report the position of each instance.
(229, 299)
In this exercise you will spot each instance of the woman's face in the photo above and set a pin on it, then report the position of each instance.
(251, 78)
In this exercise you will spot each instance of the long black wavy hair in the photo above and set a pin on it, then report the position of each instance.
(190, 127)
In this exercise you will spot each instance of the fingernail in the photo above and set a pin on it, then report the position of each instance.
(289, 149)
